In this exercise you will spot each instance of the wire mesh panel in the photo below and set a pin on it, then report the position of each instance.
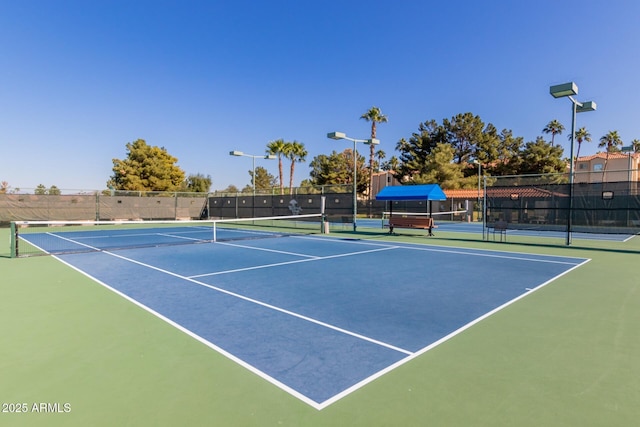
(549, 202)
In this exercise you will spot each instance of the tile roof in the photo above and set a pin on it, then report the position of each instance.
(503, 192)
(462, 194)
(614, 155)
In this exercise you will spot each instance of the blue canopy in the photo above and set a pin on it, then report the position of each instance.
(412, 192)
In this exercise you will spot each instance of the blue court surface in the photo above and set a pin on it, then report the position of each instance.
(320, 317)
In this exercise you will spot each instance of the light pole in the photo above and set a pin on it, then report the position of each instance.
(341, 135)
(253, 176)
(568, 90)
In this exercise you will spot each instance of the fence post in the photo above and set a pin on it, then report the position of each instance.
(97, 206)
(14, 240)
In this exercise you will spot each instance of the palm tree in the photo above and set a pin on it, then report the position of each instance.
(553, 127)
(278, 148)
(581, 135)
(392, 164)
(380, 155)
(295, 153)
(635, 145)
(375, 116)
(611, 142)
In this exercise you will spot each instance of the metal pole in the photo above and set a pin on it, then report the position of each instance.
(355, 187)
(15, 252)
(484, 210)
(571, 162)
(479, 173)
(253, 176)
(253, 199)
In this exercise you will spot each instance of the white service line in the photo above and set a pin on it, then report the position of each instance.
(494, 255)
(263, 304)
(257, 267)
(173, 236)
(267, 250)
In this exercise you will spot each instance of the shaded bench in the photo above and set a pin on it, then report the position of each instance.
(419, 222)
(499, 227)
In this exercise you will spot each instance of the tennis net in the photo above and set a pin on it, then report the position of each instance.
(30, 238)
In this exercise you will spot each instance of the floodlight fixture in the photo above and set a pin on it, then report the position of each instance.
(583, 107)
(565, 89)
(336, 135)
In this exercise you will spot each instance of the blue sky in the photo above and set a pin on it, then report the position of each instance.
(80, 79)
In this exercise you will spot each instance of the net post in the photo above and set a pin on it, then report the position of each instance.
(324, 224)
(14, 240)
(484, 209)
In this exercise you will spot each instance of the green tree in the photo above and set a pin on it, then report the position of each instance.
(42, 190)
(464, 132)
(440, 168)
(553, 127)
(413, 153)
(487, 148)
(391, 165)
(337, 169)
(264, 181)
(198, 183)
(295, 153)
(230, 189)
(380, 156)
(635, 145)
(146, 168)
(279, 148)
(506, 159)
(375, 116)
(540, 157)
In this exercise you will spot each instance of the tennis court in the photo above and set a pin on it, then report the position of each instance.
(345, 329)
(315, 316)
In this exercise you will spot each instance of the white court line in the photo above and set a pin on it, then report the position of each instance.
(178, 237)
(257, 267)
(284, 387)
(197, 337)
(459, 251)
(241, 362)
(260, 303)
(266, 250)
(519, 258)
(129, 235)
(441, 340)
(93, 248)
